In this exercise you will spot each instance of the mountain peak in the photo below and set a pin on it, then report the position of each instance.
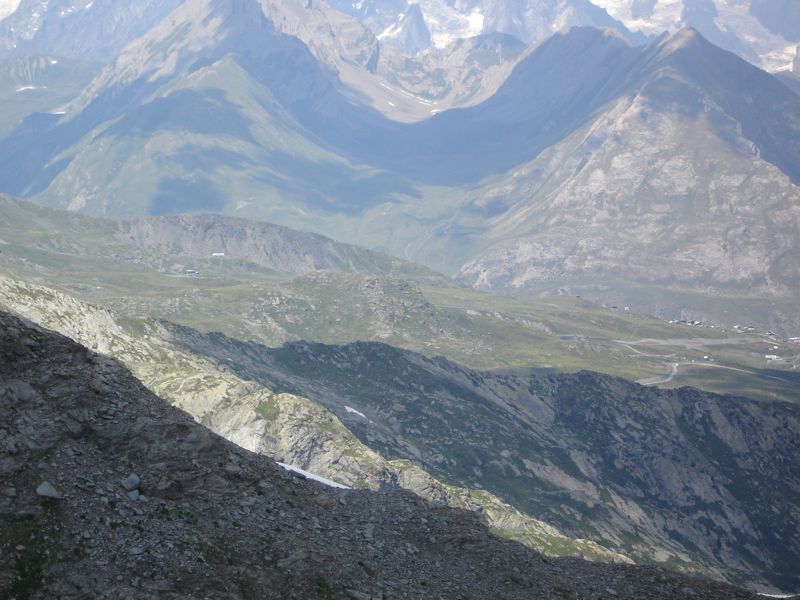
(686, 37)
(410, 34)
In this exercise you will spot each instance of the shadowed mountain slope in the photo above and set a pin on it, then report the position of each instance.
(94, 31)
(128, 479)
(700, 481)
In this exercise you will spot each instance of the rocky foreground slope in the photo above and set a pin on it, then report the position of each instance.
(693, 480)
(106, 491)
(285, 427)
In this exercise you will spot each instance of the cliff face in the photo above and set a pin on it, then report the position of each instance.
(108, 491)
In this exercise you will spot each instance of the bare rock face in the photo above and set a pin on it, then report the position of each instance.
(214, 520)
(410, 34)
(88, 30)
(679, 476)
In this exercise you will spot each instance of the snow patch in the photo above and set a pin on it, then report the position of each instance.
(447, 24)
(7, 7)
(353, 411)
(314, 477)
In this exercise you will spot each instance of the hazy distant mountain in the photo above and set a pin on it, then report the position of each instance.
(790, 79)
(95, 30)
(763, 31)
(39, 83)
(167, 244)
(629, 196)
(581, 173)
(410, 34)
(529, 20)
(535, 20)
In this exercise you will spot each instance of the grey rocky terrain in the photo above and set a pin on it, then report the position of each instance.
(703, 482)
(269, 246)
(87, 30)
(283, 426)
(107, 491)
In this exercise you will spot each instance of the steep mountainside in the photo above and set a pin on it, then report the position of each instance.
(632, 184)
(677, 476)
(410, 34)
(39, 83)
(107, 490)
(289, 428)
(587, 154)
(764, 32)
(95, 30)
(304, 434)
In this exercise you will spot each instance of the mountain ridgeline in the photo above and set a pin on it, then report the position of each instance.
(682, 474)
(208, 190)
(299, 116)
(134, 498)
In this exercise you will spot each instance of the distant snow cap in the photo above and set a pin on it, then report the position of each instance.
(7, 7)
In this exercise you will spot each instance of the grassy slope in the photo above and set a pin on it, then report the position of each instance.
(482, 331)
(39, 84)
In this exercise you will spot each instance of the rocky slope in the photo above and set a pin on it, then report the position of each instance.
(626, 200)
(94, 31)
(288, 427)
(269, 246)
(109, 492)
(38, 84)
(176, 245)
(764, 32)
(410, 34)
(698, 481)
(531, 21)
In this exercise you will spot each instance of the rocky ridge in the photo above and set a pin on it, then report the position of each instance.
(287, 427)
(108, 492)
(60, 26)
(702, 482)
(269, 246)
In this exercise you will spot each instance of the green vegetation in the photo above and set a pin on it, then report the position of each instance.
(269, 410)
(86, 259)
